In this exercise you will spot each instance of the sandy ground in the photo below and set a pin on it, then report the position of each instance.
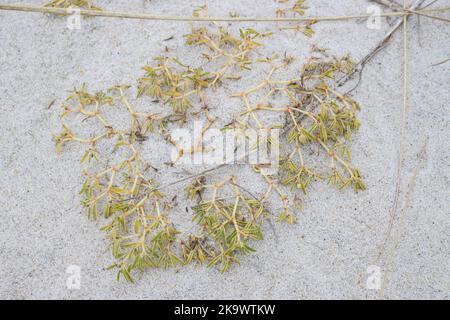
(339, 235)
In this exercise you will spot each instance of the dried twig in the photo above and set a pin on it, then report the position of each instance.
(439, 63)
(374, 51)
(144, 16)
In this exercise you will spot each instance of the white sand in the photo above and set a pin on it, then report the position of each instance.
(44, 229)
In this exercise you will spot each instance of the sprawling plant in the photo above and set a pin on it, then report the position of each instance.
(120, 186)
(315, 114)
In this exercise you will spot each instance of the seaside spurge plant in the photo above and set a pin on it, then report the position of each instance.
(121, 188)
(137, 214)
(123, 193)
(222, 45)
(173, 82)
(316, 114)
(180, 85)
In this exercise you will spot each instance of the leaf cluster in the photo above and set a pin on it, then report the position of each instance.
(83, 4)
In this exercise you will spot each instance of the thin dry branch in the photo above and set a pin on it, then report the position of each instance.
(145, 16)
(374, 51)
(439, 63)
